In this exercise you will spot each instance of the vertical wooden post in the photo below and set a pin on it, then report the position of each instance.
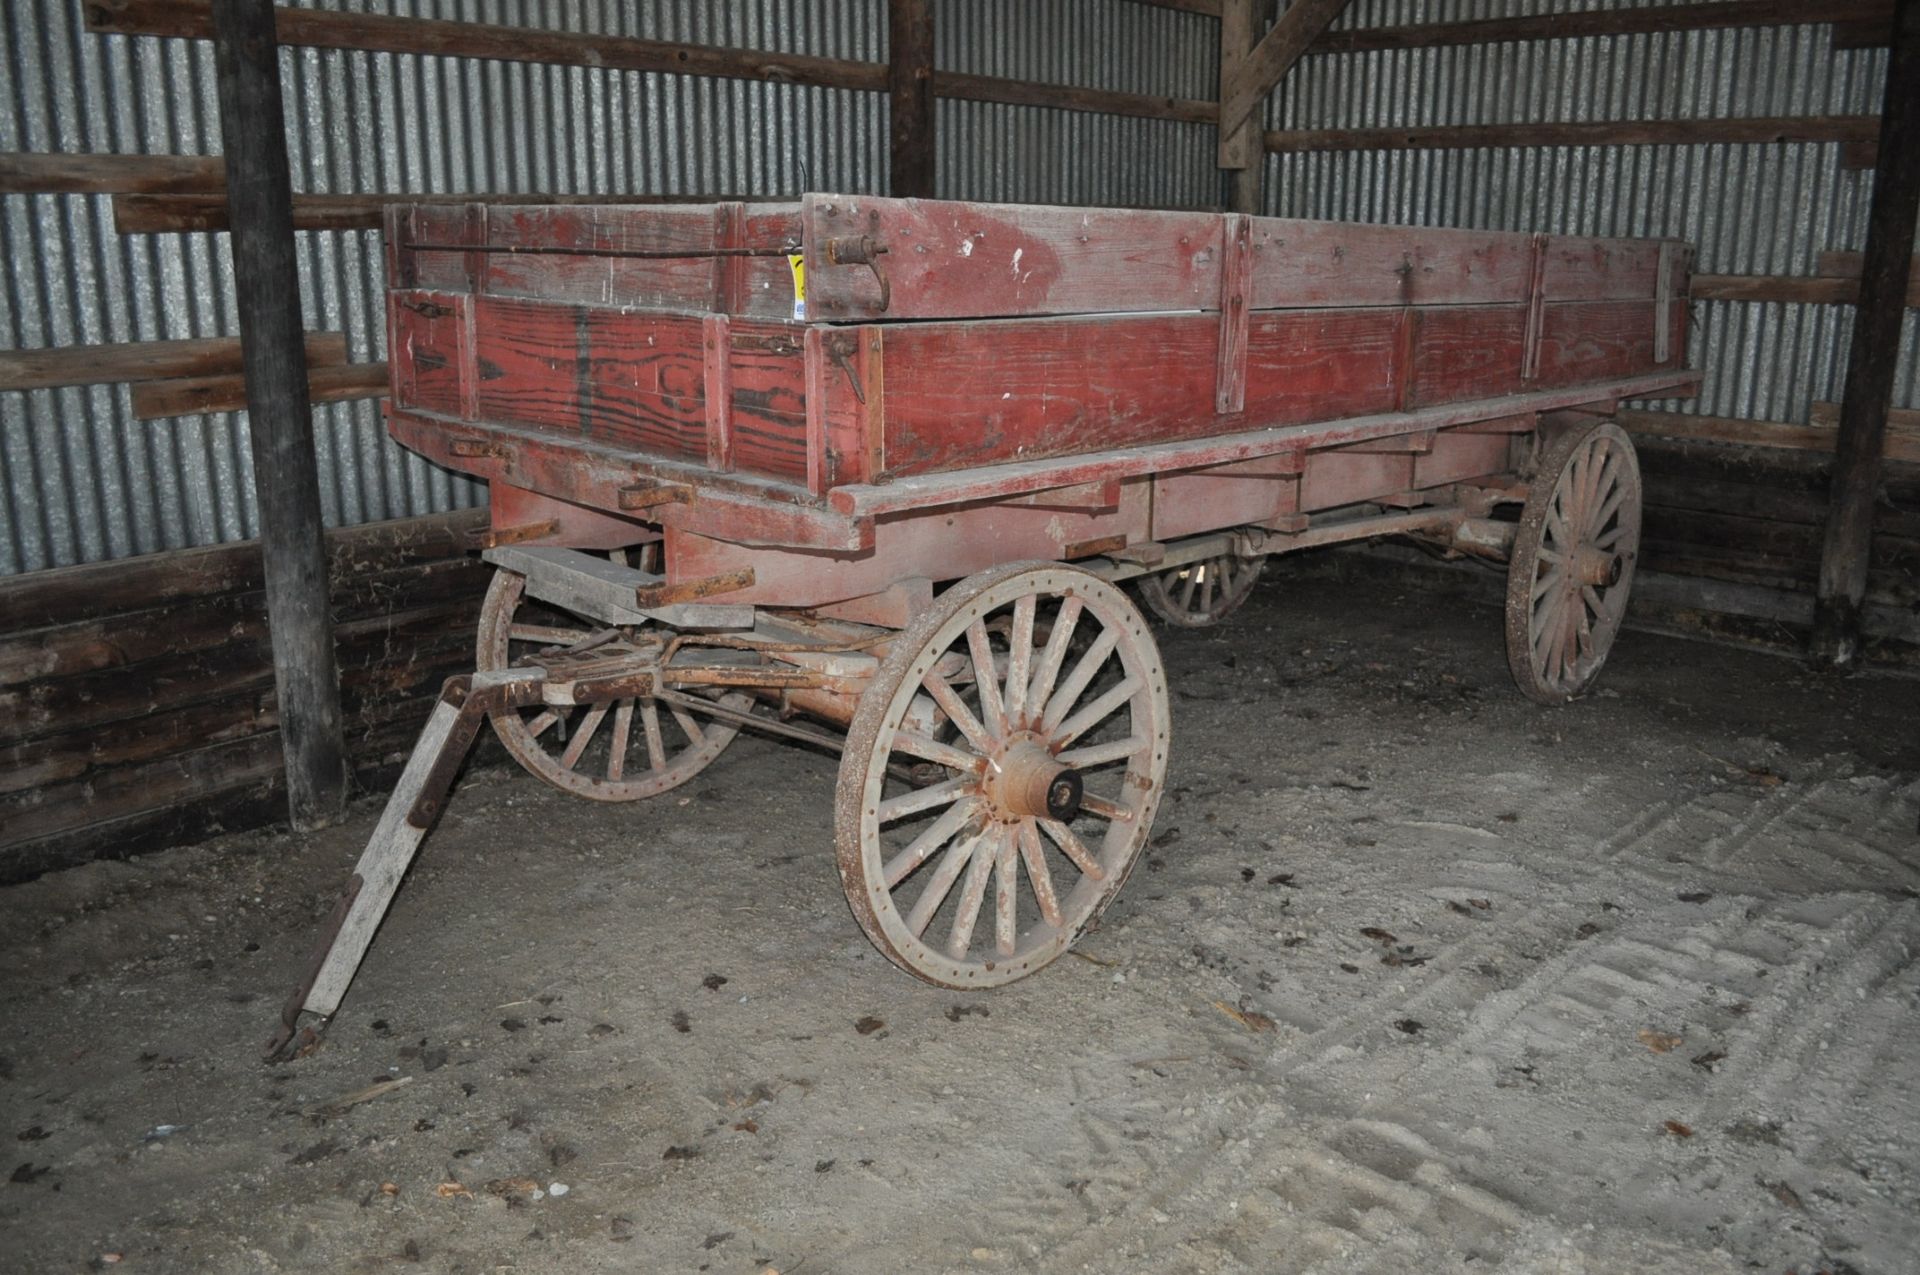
(910, 98)
(1875, 351)
(1242, 153)
(279, 414)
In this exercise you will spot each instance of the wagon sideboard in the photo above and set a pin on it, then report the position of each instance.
(766, 381)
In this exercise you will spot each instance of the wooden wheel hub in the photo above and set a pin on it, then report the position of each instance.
(1025, 781)
(1596, 567)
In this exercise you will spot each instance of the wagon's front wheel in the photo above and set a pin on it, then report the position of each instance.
(1572, 563)
(1201, 593)
(622, 751)
(1001, 774)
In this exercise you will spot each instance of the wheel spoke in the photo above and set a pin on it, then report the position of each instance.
(1591, 596)
(1095, 713)
(917, 745)
(908, 803)
(960, 938)
(986, 678)
(1056, 651)
(1074, 848)
(941, 883)
(1186, 594)
(1006, 911)
(956, 710)
(1552, 577)
(695, 736)
(656, 742)
(1100, 754)
(1615, 499)
(617, 750)
(1206, 591)
(538, 726)
(1064, 698)
(1038, 873)
(1019, 659)
(578, 744)
(937, 834)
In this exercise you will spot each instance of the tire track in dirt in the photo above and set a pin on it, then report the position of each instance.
(1334, 1148)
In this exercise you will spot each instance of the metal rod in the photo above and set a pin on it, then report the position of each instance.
(833, 742)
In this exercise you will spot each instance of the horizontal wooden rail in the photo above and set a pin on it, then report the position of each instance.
(1067, 97)
(1858, 131)
(49, 368)
(1801, 289)
(1653, 20)
(157, 400)
(161, 214)
(1903, 433)
(33, 173)
(1857, 24)
(432, 37)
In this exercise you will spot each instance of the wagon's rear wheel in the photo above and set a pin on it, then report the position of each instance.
(975, 860)
(1572, 563)
(1201, 593)
(623, 751)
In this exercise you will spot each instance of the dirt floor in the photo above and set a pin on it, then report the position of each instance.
(1417, 977)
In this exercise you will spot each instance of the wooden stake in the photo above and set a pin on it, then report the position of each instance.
(1875, 354)
(280, 420)
(911, 132)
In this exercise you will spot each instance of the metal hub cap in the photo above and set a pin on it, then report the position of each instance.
(1025, 781)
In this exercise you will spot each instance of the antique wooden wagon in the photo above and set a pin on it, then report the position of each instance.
(883, 464)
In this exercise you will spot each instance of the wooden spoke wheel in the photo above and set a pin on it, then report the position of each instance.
(1572, 562)
(1201, 593)
(1001, 774)
(623, 751)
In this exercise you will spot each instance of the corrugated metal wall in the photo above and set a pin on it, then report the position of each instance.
(1759, 209)
(80, 480)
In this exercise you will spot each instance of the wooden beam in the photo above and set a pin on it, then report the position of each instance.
(910, 116)
(1259, 72)
(380, 33)
(143, 361)
(266, 280)
(1873, 357)
(377, 33)
(1903, 442)
(165, 214)
(1209, 8)
(1856, 129)
(193, 396)
(1801, 289)
(1068, 97)
(30, 173)
(1241, 151)
(1654, 19)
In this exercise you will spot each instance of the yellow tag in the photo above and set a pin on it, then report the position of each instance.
(798, 264)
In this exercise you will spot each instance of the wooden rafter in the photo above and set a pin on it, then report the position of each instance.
(1256, 75)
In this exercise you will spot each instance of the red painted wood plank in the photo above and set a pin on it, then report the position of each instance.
(962, 394)
(948, 259)
(427, 339)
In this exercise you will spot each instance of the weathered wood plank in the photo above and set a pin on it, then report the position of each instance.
(1860, 130)
(1902, 444)
(68, 595)
(1256, 75)
(173, 214)
(54, 366)
(159, 400)
(1653, 19)
(55, 173)
(1789, 289)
